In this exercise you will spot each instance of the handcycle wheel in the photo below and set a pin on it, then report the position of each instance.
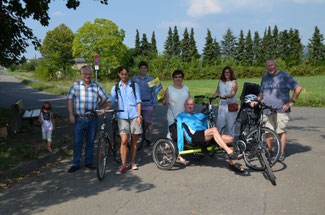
(268, 171)
(102, 154)
(272, 144)
(164, 153)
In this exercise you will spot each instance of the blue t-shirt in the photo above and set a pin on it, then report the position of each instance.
(276, 90)
(195, 122)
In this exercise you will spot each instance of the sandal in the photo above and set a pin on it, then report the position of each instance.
(236, 168)
(181, 160)
(235, 155)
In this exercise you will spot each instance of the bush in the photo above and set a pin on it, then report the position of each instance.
(45, 72)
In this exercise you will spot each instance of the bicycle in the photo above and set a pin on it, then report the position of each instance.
(260, 146)
(164, 150)
(108, 142)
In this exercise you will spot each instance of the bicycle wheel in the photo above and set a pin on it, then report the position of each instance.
(102, 154)
(139, 144)
(164, 153)
(268, 171)
(115, 147)
(270, 140)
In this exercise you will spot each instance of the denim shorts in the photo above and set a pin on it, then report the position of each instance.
(129, 126)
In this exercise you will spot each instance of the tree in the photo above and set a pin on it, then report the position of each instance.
(284, 51)
(186, 52)
(137, 49)
(192, 46)
(145, 46)
(275, 36)
(154, 51)
(14, 34)
(57, 46)
(257, 49)
(176, 43)
(295, 55)
(102, 37)
(208, 54)
(249, 53)
(228, 45)
(316, 49)
(169, 44)
(216, 50)
(240, 52)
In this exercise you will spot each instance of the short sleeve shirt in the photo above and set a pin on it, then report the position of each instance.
(276, 90)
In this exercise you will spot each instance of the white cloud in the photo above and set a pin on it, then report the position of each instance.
(182, 24)
(199, 8)
(58, 14)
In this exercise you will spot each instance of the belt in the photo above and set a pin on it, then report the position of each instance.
(86, 117)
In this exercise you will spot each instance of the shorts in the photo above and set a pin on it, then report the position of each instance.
(129, 126)
(198, 138)
(147, 113)
(277, 121)
(47, 135)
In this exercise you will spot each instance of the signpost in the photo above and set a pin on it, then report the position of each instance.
(96, 62)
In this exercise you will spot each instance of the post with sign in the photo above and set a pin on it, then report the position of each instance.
(96, 64)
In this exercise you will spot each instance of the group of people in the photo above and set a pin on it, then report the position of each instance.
(139, 101)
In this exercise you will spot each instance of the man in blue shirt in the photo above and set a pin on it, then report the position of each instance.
(148, 97)
(200, 133)
(129, 121)
(275, 92)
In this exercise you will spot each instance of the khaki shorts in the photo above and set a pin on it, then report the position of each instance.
(129, 126)
(277, 121)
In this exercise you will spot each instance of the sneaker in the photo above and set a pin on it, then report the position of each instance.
(282, 156)
(73, 169)
(133, 166)
(121, 170)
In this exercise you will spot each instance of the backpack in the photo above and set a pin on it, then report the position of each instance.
(117, 89)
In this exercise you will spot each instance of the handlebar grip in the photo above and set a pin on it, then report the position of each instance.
(200, 96)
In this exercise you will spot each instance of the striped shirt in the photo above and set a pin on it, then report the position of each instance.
(86, 98)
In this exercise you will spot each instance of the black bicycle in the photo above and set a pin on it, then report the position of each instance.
(260, 145)
(108, 142)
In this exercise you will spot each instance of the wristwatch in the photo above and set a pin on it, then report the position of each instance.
(293, 101)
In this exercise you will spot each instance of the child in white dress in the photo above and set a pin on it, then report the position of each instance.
(47, 120)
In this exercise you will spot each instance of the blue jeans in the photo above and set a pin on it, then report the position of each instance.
(84, 128)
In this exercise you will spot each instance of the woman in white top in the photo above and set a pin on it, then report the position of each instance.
(175, 97)
(227, 90)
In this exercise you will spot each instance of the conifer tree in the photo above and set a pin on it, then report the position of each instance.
(145, 46)
(316, 49)
(176, 43)
(216, 50)
(186, 54)
(269, 44)
(228, 44)
(257, 48)
(249, 54)
(169, 44)
(208, 50)
(137, 48)
(295, 47)
(284, 51)
(240, 52)
(192, 46)
(154, 51)
(275, 42)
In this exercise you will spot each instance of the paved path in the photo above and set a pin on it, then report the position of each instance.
(204, 187)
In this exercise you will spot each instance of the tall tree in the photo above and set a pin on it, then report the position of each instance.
(316, 49)
(216, 51)
(295, 48)
(57, 46)
(169, 44)
(154, 51)
(192, 45)
(276, 47)
(240, 52)
(208, 50)
(14, 34)
(257, 48)
(186, 54)
(145, 46)
(228, 45)
(102, 37)
(249, 53)
(284, 50)
(176, 43)
(137, 48)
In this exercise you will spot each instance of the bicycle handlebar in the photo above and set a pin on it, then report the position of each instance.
(210, 98)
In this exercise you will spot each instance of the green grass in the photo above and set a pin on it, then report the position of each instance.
(312, 94)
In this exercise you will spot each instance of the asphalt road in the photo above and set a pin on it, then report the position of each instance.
(202, 187)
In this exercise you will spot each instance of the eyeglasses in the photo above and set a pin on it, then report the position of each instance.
(87, 74)
(178, 76)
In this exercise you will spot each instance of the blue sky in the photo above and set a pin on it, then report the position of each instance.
(217, 15)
